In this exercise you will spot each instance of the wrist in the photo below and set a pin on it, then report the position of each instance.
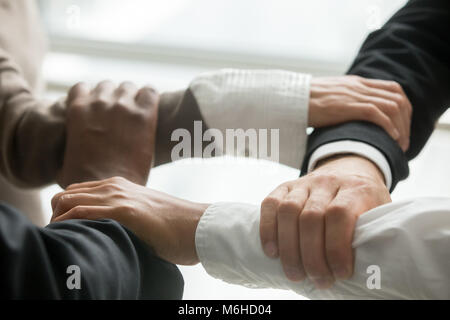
(317, 91)
(351, 164)
(77, 173)
(194, 212)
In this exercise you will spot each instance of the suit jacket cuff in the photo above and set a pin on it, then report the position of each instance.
(354, 147)
(362, 132)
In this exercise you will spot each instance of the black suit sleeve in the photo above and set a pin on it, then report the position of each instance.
(113, 263)
(412, 48)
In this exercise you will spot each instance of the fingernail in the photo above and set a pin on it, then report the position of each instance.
(271, 249)
(294, 274)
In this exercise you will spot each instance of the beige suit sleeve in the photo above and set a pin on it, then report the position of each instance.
(32, 132)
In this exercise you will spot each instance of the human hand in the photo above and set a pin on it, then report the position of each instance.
(341, 99)
(167, 224)
(309, 222)
(110, 132)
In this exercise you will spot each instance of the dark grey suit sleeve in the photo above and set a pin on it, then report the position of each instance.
(412, 48)
(113, 263)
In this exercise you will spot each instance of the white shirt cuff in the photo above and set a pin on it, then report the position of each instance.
(229, 248)
(355, 147)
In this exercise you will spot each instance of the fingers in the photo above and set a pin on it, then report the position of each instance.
(104, 90)
(92, 184)
(84, 185)
(399, 118)
(98, 189)
(147, 96)
(79, 91)
(312, 237)
(126, 93)
(88, 213)
(340, 225)
(400, 99)
(393, 91)
(370, 112)
(350, 98)
(66, 202)
(386, 85)
(126, 89)
(268, 223)
(288, 233)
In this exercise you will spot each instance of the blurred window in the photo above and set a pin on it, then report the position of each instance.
(314, 30)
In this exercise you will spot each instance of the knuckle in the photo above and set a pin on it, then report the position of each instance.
(79, 212)
(393, 108)
(271, 202)
(118, 179)
(288, 185)
(398, 98)
(125, 209)
(126, 85)
(370, 110)
(358, 184)
(360, 181)
(56, 197)
(147, 90)
(310, 215)
(111, 187)
(120, 195)
(356, 78)
(77, 86)
(75, 89)
(324, 178)
(337, 210)
(338, 216)
(64, 199)
(395, 86)
(105, 83)
(289, 207)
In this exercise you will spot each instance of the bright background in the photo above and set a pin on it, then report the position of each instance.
(167, 43)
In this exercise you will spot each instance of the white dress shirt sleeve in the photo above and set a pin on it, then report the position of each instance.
(401, 252)
(354, 147)
(272, 100)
